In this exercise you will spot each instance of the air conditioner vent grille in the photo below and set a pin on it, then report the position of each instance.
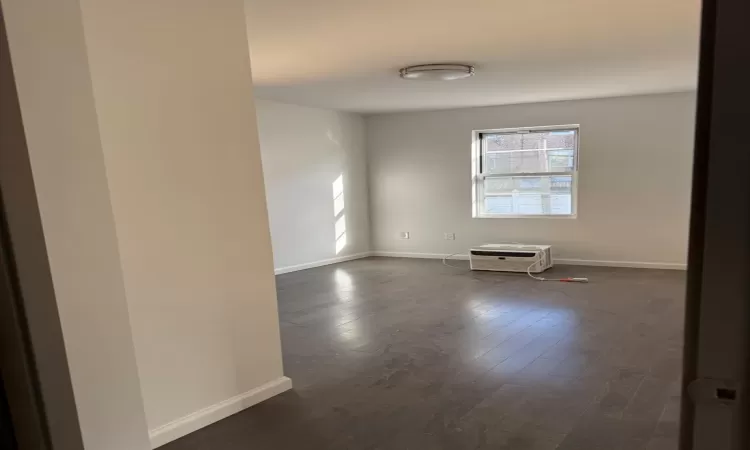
(511, 258)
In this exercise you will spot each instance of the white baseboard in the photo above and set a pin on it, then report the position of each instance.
(322, 262)
(633, 264)
(419, 255)
(561, 261)
(206, 416)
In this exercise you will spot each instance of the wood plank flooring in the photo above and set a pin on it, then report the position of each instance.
(409, 354)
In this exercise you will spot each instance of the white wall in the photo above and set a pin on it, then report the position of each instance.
(305, 150)
(54, 86)
(173, 94)
(634, 184)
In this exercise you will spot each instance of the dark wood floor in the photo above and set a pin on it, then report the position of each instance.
(410, 354)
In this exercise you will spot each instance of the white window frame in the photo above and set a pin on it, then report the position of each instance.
(477, 185)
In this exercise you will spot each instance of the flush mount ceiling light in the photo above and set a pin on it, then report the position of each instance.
(440, 72)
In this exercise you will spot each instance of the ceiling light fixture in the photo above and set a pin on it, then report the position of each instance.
(440, 72)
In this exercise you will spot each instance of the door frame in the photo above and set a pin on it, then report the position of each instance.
(717, 319)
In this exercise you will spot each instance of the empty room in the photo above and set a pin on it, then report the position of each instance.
(479, 215)
(349, 224)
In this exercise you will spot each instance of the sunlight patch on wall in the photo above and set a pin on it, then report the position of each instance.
(340, 228)
(340, 243)
(338, 213)
(338, 202)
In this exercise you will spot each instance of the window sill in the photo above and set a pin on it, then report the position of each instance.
(524, 216)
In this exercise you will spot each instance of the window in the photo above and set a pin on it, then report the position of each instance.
(526, 172)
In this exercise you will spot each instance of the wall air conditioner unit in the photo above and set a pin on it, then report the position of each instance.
(511, 258)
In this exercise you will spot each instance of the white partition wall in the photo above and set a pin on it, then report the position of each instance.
(141, 128)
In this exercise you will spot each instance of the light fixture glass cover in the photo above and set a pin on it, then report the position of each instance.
(441, 72)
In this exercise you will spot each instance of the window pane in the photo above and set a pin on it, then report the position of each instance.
(548, 151)
(519, 195)
(498, 205)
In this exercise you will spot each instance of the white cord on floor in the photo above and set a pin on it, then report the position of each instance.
(448, 265)
(565, 280)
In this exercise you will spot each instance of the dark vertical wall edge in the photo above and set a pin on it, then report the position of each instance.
(697, 216)
(35, 366)
(717, 322)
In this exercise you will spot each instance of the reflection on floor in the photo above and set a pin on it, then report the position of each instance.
(410, 354)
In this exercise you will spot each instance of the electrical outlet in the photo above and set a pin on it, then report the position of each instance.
(449, 236)
(403, 235)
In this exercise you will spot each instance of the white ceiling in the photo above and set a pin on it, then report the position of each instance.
(345, 54)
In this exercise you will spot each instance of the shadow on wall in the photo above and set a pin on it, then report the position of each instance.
(338, 213)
